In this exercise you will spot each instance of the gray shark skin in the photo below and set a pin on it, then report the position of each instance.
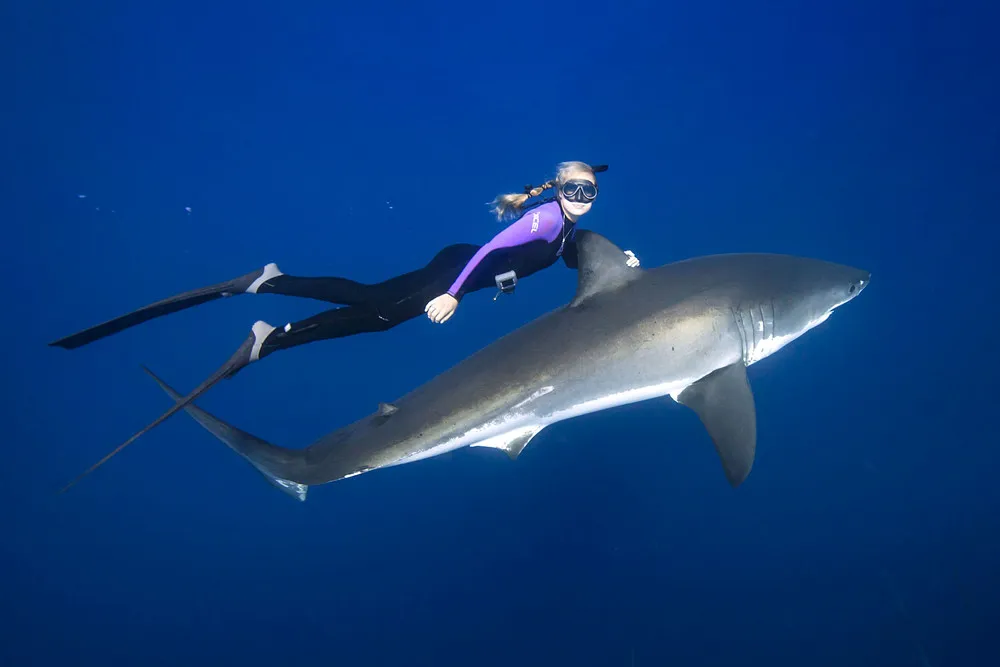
(687, 330)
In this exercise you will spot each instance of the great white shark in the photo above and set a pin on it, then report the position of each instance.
(687, 330)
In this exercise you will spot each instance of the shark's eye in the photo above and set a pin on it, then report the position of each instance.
(854, 287)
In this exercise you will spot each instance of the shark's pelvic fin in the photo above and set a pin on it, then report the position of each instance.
(512, 442)
(601, 267)
(724, 403)
(239, 441)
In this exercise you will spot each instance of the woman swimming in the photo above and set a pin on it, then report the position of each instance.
(537, 238)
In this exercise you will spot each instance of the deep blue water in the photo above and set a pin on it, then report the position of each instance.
(357, 140)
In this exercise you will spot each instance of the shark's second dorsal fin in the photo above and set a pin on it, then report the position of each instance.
(381, 416)
(601, 266)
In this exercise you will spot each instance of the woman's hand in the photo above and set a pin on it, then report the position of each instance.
(441, 308)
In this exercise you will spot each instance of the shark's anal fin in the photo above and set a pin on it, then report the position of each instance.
(512, 442)
(724, 402)
(601, 266)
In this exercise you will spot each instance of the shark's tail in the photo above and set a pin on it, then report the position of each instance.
(261, 454)
(247, 353)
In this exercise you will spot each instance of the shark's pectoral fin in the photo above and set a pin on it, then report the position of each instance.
(601, 267)
(512, 442)
(724, 403)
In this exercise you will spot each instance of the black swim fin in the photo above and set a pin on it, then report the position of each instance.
(247, 353)
(246, 284)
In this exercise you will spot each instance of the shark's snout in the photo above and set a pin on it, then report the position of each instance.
(860, 283)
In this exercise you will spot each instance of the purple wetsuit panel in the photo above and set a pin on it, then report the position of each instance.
(542, 223)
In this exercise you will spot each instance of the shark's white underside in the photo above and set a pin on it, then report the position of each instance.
(513, 430)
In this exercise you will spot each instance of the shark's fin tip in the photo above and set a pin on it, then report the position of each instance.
(294, 489)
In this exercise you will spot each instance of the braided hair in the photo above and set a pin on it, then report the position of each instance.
(510, 204)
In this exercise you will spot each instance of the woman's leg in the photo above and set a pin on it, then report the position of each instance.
(384, 306)
(332, 290)
(270, 280)
(395, 301)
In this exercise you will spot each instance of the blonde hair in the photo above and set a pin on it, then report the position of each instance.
(509, 204)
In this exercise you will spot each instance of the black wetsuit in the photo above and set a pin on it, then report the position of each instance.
(533, 242)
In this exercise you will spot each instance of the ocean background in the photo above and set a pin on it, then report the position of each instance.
(152, 148)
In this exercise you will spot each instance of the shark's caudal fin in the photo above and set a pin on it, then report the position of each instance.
(238, 361)
(724, 403)
(250, 447)
(601, 267)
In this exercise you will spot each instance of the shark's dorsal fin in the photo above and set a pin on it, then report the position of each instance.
(601, 266)
(724, 402)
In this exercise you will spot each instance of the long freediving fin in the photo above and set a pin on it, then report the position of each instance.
(245, 284)
(246, 353)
